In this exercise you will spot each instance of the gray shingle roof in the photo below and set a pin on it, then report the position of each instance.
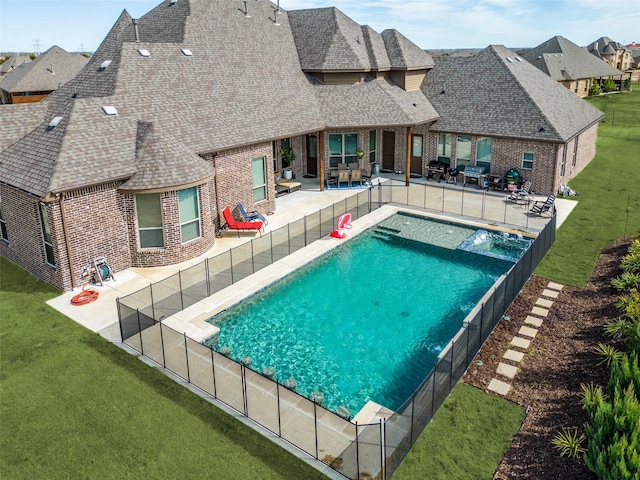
(242, 85)
(326, 39)
(375, 102)
(13, 62)
(46, 72)
(376, 49)
(18, 120)
(562, 59)
(488, 95)
(403, 53)
(163, 162)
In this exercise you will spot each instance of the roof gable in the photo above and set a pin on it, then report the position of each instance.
(489, 95)
(46, 72)
(562, 59)
(403, 53)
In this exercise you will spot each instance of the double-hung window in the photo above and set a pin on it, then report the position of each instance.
(149, 213)
(483, 153)
(463, 151)
(527, 161)
(3, 225)
(46, 234)
(189, 213)
(444, 148)
(259, 176)
(343, 148)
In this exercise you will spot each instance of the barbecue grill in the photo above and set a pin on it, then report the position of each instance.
(436, 170)
(474, 173)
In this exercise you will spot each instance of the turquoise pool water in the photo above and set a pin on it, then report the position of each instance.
(368, 320)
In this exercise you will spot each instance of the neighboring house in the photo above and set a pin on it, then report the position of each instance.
(12, 62)
(180, 113)
(614, 53)
(572, 66)
(33, 81)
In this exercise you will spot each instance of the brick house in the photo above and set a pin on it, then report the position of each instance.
(34, 80)
(499, 111)
(614, 53)
(181, 113)
(572, 66)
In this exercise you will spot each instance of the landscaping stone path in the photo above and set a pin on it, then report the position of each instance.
(507, 371)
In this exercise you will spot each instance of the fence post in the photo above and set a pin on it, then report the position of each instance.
(213, 373)
(120, 319)
(139, 331)
(413, 407)
(206, 276)
(278, 397)
(186, 354)
(253, 259)
(462, 203)
(153, 310)
(357, 454)
(306, 238)
(231, 264)
(315, 425)
(164, 359)
(271, 247)
(451, 365)
(180, 286)
(243, 375)
(442, 209)
(381, 450)
(433, 391)
(289, 236)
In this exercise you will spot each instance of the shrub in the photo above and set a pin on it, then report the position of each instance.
(609, 85)
(613, 450)
(627, 281)
(569, 443)
(594, 90)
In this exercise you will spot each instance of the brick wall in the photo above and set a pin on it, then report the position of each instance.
(26, 242)
(234, 180)
(174, 250)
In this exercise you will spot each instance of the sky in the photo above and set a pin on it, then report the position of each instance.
(80, 25)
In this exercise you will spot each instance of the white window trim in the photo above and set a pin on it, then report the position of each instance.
(527, 160)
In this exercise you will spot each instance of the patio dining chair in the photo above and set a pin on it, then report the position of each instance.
(356, 176)
(521, 195)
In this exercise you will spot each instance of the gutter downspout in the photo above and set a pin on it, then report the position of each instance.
(66, 240)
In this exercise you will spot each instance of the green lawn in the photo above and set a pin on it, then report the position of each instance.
(609, 202)
(466, 439)
(73, 405)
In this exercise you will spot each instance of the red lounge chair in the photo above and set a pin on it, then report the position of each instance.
(232, 224)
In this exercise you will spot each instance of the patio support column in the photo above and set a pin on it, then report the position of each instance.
(321, 159)
(407, 167)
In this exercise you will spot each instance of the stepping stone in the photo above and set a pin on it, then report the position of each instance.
(543, 312)
(543, 302)
(513, 355)
(498, 386)
(550, 293)
(520, 342)
(506, 370)
(536, 322)
(555, 286)
(528, 332)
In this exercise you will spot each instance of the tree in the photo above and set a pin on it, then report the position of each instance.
(609, 85)
(594, 90)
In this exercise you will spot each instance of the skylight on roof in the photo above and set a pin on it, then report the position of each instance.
(55, 121)
(509, 59)
(105, 64)
(518, 59)
(110, 110)
(173, 2)
(144, 52)
(186, 52)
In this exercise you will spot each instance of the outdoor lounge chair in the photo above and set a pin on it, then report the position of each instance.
(233, 224)
(521, 195)
(252, 216)
(541, 207)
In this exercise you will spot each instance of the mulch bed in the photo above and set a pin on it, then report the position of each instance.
(558, 361)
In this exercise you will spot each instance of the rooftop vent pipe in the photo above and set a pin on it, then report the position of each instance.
(135, 29)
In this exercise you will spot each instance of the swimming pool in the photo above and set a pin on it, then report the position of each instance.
(368, 320)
